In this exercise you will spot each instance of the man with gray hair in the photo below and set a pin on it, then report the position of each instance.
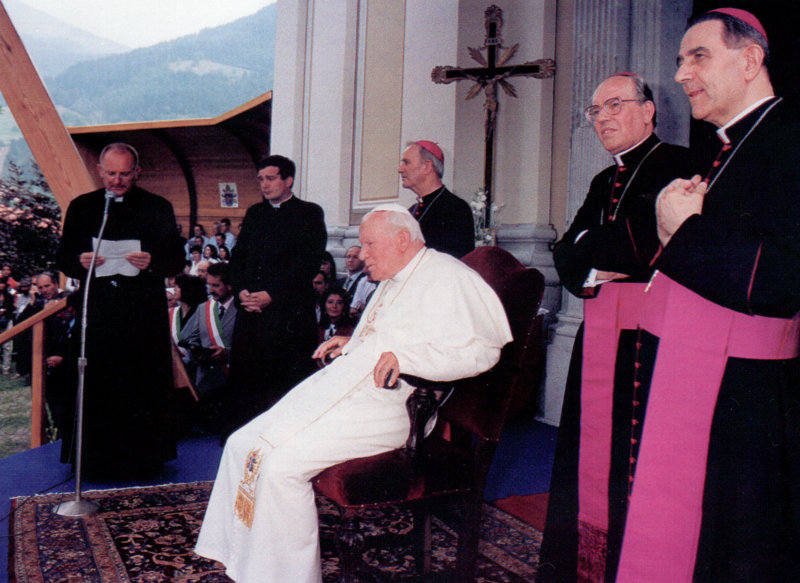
(445, 219)
(604, 257)
(432, 317)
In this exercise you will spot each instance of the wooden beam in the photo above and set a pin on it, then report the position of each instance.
(46, 312)
(37, 386)
(38, 119)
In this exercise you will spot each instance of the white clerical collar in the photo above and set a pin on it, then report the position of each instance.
(618, 156)
(110, 194)
(722, 132)
(277, 205)
(406, 272)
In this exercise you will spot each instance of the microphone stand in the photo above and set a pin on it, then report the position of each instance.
(80, 506)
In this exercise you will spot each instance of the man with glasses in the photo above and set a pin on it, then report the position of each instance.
(603, 257)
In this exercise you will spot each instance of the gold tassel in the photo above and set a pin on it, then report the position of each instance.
(245, 505)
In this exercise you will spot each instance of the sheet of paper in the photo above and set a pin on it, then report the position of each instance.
(114, 253)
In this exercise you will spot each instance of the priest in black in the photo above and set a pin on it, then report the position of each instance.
(445, 219)
(129, 368)
(726, 374)
(277, 254)
(605, 255)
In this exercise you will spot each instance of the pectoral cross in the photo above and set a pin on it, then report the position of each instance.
(493, 72)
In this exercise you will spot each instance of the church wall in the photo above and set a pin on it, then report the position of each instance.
(428, 109)
(379, 100)
(289, 78)
(523, 136)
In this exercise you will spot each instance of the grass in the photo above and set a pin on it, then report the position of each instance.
(15, 415)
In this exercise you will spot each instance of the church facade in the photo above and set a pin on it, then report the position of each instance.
(353, 85)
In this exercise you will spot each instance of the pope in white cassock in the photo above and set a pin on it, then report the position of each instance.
(431, 317)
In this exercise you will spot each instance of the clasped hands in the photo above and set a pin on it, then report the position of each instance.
(676, 202)
(140, 260)
(385, 373)
(254, 301)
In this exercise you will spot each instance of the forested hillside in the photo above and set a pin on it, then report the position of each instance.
(201, 75)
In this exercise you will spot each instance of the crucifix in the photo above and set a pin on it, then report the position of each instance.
(493, 72)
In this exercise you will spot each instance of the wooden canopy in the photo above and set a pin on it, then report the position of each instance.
(190, 162)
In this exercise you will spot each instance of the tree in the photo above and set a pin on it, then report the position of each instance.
(30, 220)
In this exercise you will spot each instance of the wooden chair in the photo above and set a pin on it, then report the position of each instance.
(453, 462)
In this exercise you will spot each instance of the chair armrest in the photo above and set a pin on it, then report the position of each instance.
(422, 405)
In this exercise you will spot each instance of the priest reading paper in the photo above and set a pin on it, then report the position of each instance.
(129, 362)
(431, 316)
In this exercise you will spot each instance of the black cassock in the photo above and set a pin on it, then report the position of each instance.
(279, 250)
(129, 367)
(446, 222)
(743, 253)
(614, 230)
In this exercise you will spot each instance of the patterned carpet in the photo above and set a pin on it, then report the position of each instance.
(147, 535)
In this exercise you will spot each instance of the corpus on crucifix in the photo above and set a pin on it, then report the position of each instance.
(493, 72)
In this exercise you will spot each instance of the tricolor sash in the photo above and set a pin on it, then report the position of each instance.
(214, 325)
(175, 324)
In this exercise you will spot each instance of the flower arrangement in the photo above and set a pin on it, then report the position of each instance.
(485, 223)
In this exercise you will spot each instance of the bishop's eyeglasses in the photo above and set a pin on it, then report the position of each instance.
(611, 106)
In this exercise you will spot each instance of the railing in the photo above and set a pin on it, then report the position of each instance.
(37, 322)
(180, 377)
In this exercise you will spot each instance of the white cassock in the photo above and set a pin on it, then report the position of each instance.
(442, 322)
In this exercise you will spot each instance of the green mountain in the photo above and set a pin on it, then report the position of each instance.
(54, 45)
(200, 75)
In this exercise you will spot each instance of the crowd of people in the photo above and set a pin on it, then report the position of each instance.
(678, 448)
(242, 313)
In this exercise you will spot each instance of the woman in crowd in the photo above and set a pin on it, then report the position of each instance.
(335, 320)
(224, 253)
(210, 254)
(195, 258)
(190, 292)
(328, 267)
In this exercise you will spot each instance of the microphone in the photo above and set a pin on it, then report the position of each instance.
(80, 506)
(110, 195)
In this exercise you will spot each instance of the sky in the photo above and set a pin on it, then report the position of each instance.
(141, 23)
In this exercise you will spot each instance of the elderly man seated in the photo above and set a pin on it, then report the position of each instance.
(432, 317)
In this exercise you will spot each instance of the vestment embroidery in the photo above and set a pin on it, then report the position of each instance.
(245, 506)
(376, 304)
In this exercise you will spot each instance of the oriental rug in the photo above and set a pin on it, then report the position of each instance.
(147, 535)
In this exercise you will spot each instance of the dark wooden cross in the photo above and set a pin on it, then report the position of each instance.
(493, 72)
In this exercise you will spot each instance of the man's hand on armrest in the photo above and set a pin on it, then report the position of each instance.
(387, 371)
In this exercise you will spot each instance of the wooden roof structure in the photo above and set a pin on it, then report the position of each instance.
(191, 161)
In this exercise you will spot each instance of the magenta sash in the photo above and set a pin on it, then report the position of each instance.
(616, 307)
(696, 337)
